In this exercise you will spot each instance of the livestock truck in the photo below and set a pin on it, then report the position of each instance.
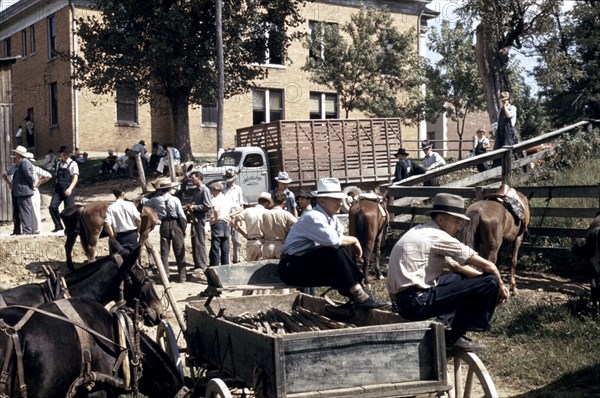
(358, 152)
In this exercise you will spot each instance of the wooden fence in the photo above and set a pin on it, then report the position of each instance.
(6, 135)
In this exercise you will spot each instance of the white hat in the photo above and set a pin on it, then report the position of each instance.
(283, 177)
(266, 196)
(30, 156)
(21, 150)
(230, 175)
(449, 204)
(165, 183)
(330, 188)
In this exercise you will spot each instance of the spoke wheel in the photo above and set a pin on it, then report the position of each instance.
(165, 336)
(216, 388)
(471, 377)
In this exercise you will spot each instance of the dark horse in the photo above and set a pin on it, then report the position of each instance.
(590, 250)
(493, 224)
(87, 222)
(368, 220)
(60, 359)
(99, 281)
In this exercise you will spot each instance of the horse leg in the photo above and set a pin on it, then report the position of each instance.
(367, 262)
(513, 264)
(70, 242)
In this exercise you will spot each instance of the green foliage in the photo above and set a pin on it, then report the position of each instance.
(568, 72)
(370, 64)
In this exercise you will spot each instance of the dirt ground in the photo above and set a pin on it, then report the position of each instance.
(21, 258)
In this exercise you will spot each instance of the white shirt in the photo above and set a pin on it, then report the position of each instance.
(121, 215)
(434, 160)
(38, 174)
(222, 206)
(252, 217)
(235, 196)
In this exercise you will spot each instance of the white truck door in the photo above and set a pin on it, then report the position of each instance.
(253, 176)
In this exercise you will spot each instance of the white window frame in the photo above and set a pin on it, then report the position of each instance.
(267, 102)
(322, 102)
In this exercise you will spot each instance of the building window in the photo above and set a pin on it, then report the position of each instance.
(53, 104)
(7, 48)
(268, 43)
(323, 106)
(32, 39)
(23, 43)
(320, 31)
(267, 106)
(209, 115)
(127, 112)
(52, 36)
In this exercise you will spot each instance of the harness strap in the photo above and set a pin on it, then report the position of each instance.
(14, 344)
(6, 363)
(84, 338)
(2, 302)
(123, 360)
(20, 369)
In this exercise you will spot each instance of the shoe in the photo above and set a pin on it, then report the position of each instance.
(182, 277)
(464, 344)
(371, 303)
(57, 229)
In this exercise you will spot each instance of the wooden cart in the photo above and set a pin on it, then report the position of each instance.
(383, 356)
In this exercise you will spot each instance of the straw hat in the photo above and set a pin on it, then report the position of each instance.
(20, 150)
(330, 188)
(504, 96)
(283, 177)
(165, 183)
(30, 156)
(230, 175)
(266, 196)
(449, 204)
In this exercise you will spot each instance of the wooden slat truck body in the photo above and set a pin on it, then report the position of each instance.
(379, 358)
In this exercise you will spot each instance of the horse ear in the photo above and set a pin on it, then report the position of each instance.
(114, 246)
(131, 257)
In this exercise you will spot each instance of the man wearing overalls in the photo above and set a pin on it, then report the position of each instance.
(67, 175)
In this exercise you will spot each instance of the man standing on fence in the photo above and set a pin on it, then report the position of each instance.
(465, 297)
(431, 161)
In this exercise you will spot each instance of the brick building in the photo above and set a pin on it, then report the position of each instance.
(65, 115)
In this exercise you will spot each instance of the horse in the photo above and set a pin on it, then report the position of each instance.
(590, 250)
(368, 220)
(74, 348)
(99, 281)
(87, 222)
(493, 224)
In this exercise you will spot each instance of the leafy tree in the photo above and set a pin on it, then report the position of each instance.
(502, 26)
(367, 62)
(167, 48)
(455, 78)
(569, 69)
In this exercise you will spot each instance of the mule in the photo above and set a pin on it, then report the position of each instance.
(87, 222)
(493, 224)
(99, 281)
(60, 359)
(368, 220)
(590, 250)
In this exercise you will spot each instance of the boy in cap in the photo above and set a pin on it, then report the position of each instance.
(431, 161)
(305, 198)
(67, 175)
(234, 194)
(405, 167)
(313, 253)
(419, 288)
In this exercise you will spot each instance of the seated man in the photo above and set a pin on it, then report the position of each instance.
(108, 163)
(467, 296)
(122, 162)
(314, 255)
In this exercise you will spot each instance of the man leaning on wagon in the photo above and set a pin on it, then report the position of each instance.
(314, 255)
(466, 297)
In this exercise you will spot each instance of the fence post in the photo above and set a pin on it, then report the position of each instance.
(478, 193)
(507, 167)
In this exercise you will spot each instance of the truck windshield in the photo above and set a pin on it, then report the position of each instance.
(229, 159)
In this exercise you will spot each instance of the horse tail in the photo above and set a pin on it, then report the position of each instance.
(469, 229)
(361, 228)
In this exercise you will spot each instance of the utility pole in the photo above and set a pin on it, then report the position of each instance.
(221, 76)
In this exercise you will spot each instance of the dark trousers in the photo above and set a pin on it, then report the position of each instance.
(57, 199)
(325, 266)
(199, 245)
(16, 217)
(128, 239)
(219, 245)
(171, 233)
(25, 214)
(472, 301)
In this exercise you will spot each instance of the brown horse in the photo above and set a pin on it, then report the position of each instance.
(87, 222)
(368, 220)
(492, 224)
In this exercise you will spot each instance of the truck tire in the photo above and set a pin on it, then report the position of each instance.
(352, 191)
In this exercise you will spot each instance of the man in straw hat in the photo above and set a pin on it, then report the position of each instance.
(251, 219)
(275, 227)
(314, 255)
(233, 192)
(405, 167)
(22, 189)
(67, 175)
(282, 180)
(172, 223)
(420, 289)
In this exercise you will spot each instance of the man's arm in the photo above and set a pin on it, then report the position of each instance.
(490, 268)
(69, 190)
(348, 241)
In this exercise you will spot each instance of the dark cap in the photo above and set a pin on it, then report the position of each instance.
(305, 194)
(64, 149)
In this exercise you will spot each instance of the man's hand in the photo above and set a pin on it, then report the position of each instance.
(68, 192)
(503, 293)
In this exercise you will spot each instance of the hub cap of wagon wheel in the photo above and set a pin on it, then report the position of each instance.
(216, 388)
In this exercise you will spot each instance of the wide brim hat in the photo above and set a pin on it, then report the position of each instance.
(449, 204)
(266, 196)
(230, 175)
(142, 142)
(283, 177)
(20, 150)
(426, 144)
(305, 194)
(401, 151)
(30, 156)
(330, 188)
(505, 95)
(165, 183)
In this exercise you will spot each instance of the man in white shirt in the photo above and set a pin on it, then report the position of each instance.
(40, 177)
(123, 221)
(67, 176)
(220, 229)
(251, 218)
(234, 193)
(431, 161)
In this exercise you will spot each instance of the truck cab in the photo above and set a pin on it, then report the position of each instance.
(251, 165)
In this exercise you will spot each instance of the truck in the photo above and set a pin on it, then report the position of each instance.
(358, 152)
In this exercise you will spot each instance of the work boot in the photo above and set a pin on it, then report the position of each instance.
(370, 303)
(464, 344)
(182, 276)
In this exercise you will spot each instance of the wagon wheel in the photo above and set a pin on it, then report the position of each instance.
(168, 342)
(475, 372)
(216, 388)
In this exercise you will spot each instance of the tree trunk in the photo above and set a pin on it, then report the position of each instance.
(181, 123)
(491, 63)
